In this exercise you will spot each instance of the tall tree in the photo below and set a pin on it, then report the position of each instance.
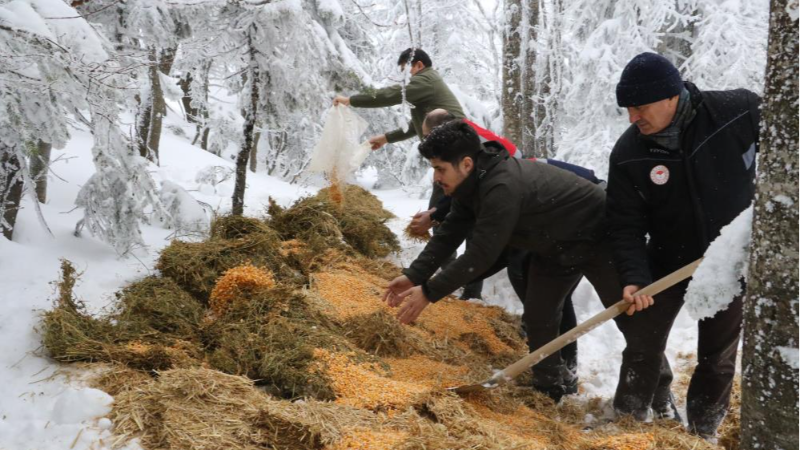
(10, 189)
(519, 80)
(40, 165)
(250, 115)
(770, 358)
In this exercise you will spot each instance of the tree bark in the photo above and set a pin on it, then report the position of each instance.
(548, 80)
(249, 127)
(512, 95)
(10, 189)
(254, 153)
(156, 108)
(195, 104)
(519, 85)
(40, 164)
(769, 417)
(189, 111)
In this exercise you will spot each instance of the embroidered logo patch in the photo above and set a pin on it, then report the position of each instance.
(659, 175)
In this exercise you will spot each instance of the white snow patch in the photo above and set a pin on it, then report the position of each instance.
(80, 405)
(790, 356)
(791, 10)
(783, 200)
(717, 281)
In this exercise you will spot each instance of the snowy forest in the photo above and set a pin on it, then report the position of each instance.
(132, 130)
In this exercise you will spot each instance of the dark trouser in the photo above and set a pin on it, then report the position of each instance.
(474, 288)
(517, 269)
(550, 281)
(647, 371)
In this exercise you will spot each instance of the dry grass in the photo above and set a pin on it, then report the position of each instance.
(414, 236)
(273, 363)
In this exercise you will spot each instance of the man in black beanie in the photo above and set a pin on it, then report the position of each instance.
(683, 170)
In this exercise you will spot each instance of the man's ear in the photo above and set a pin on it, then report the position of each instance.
(468, 163)
(419, 65)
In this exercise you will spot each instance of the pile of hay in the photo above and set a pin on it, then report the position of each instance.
(272, 334)
(356, 220)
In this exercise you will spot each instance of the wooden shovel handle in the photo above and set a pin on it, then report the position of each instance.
(598, 319)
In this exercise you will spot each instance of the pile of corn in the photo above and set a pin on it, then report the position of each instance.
(362, 386)
(236, 284)
(427, 372)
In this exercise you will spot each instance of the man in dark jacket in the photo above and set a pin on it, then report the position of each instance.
(682, 171)
(504, 202)
(514, 260)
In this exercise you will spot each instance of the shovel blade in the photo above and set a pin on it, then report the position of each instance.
(471, 388)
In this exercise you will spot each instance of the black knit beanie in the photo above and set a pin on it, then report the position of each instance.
(646, 79)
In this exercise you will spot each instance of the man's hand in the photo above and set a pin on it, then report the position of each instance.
(341, 100)
(421, 222)
(638, 302)
(415, 302)
(396, 287)
(377, 142)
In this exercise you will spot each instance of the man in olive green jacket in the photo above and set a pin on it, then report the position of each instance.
(426, 91)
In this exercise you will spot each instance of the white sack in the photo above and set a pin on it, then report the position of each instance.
(338, 150)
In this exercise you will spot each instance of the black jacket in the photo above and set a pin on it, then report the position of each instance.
(506, 201)
(443, 203)
(681, 199)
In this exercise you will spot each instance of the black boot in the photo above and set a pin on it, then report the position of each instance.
(665, 409)
(568, 387)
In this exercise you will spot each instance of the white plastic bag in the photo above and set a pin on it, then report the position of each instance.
(338, 152)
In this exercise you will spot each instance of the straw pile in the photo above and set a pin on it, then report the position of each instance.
(272, 334)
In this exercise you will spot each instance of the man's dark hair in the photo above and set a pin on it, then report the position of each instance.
(434, 119)
(451, 142)
(419, 55)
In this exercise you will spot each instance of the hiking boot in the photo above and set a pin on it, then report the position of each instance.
(665, 409)
(558, 391)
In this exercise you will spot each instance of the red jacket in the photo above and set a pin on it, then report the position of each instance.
(486, 135)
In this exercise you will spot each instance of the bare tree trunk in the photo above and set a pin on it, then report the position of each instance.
(254, 153)
(530, 11)
(190, 112)
(249, 127)
(143, 125)
(512, 95)
(10, 189)
(40, 164)
(158, 111)
(155, 107)
(195, 104)
(769, 417)
(519, 85)
(548, 70)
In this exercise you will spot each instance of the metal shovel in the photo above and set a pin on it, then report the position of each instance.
(535, 357)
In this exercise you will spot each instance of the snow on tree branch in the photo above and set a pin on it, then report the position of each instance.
(719, 277)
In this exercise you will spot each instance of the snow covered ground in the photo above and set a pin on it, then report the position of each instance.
(44, 409)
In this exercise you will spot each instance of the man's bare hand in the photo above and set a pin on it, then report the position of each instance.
(341, 100)
(422, 222)
(377, 142)
(638, 302)
(396, 287)
(413, 305)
